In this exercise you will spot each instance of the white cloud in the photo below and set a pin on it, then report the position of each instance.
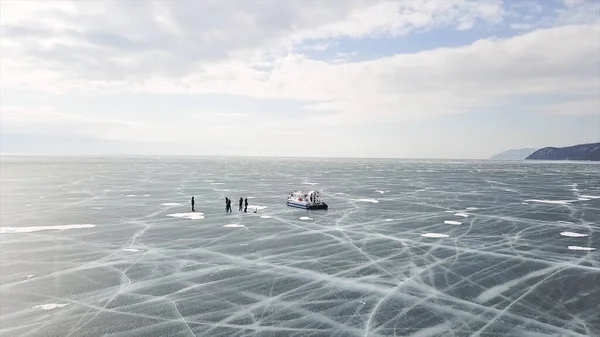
(583, 106)
(141, 39)
(255, 48)
(409, 86)
(45, 120)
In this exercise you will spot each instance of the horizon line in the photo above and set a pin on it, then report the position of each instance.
(29, 154)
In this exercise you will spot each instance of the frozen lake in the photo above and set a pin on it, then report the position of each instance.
(109, 247)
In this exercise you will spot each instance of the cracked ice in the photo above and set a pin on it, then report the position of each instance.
(443, 251)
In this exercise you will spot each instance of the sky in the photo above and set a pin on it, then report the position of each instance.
(337, 78)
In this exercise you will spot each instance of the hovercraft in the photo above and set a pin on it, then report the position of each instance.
(310, 200)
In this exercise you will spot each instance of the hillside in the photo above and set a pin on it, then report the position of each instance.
(513, 154)
(577, 152)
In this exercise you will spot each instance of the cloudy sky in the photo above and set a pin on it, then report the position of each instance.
(433, 79)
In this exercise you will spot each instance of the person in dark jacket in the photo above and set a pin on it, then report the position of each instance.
(241, 202)
(226, 204)
(245, 205)
(193, 204)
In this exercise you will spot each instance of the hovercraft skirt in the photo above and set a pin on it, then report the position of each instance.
(320, 206)
(309, 207)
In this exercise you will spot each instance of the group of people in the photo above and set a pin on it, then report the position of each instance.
(243, 202)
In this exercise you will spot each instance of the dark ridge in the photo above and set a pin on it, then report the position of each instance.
(589, 152)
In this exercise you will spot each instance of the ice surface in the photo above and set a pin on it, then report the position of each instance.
(357, 269)
(435, 235)
(452, 222)
(574, 235)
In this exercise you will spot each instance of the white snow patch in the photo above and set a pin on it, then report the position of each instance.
(573, 235)
(464, 215)
(170, 204)
(557, 202)
(565, 222)
(51, 306)
(131, 250)
(590, 196)
(234, 225)
(13, 230)
(257, 207)
(96, 207)
(374, 201)
(305, 218)
(380, 191)
(338, 193)
(29, 277)
(42, 197)
(449, 211)
(130, 195)
(191, 215)
(450, 222)
(218, 183)
(388, 220)
(581, 248)
(435, 235)
(243, 244)
(471, 208)
(265, 216)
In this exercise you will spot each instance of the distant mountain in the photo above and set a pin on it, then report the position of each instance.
(577, 152)
(513, 154)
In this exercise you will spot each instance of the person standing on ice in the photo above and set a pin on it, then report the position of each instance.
(226, 204)
(241, 201)
(245, 205)
(193, 204)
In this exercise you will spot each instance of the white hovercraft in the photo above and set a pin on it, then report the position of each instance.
(310, 200)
